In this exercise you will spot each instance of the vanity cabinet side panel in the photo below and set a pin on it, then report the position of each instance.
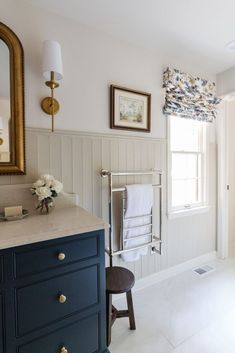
(1, 269)
(102, 291)
(1, 323)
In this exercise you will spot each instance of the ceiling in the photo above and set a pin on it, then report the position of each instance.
(195, 29)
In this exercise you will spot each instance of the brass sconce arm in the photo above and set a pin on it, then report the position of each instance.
(49, 104)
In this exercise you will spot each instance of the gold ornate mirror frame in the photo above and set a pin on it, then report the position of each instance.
(17, 131)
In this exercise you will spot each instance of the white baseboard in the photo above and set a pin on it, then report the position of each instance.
(171, 272)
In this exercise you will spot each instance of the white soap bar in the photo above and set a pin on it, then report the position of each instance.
(13, 211)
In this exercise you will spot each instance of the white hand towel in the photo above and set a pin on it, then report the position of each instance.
(139, 200)
(139, 203)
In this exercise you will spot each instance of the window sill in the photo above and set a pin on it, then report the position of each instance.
(188, 212)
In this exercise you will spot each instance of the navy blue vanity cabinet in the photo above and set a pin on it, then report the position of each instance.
(55, 296)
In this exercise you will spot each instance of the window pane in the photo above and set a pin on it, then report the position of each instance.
(200, 165)
(200, 192)
(184, 192)
(186, 134)
(184, 165)
(187, 158)
(178, 193)
(191, 191)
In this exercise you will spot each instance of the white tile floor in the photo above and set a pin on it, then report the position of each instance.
(184, 314)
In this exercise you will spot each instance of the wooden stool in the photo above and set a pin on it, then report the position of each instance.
(118, 280)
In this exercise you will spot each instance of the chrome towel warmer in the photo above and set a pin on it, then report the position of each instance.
(155, 240)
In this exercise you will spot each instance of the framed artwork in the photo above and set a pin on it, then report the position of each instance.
(129, 109)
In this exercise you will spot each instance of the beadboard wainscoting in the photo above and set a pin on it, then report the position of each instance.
(76, 158)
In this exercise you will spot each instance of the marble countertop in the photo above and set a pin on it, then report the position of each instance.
(59, 223)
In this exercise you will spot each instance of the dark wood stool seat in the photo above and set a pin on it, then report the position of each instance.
(119, 280)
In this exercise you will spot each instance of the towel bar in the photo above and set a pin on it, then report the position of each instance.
(119, 252)
(123, 189)
(154, 239)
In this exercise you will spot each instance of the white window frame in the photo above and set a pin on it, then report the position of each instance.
(199, 207)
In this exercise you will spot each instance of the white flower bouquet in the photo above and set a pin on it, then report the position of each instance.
(46, 188)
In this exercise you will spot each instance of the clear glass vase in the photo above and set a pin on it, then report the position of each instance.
(45, 206)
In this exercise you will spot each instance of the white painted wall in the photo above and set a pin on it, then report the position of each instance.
(92, 61)
(225, 82)
(230, 126)
(226, 177)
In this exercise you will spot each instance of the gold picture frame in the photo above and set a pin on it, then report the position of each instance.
(16, 165)
(130, 109)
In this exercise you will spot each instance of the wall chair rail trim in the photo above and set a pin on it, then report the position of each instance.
(94, 134)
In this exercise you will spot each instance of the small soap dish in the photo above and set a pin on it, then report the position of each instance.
(25, 213)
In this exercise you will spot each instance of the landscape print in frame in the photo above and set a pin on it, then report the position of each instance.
(129, 109)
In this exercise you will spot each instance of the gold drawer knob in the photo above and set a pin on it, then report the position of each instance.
(62, 299)
(61, 256)
(64, 350)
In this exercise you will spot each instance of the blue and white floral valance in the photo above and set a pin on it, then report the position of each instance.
(188, 96)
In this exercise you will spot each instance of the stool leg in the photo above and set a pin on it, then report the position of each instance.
(130, 310)
(108, 317)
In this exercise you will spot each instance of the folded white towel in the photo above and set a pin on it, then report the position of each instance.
(139, 203)
(134, 255)
(135, 222)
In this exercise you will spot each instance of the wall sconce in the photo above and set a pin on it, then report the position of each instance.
(52, 72)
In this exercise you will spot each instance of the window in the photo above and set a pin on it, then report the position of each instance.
(187, 170)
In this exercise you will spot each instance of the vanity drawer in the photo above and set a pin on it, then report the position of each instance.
(80, 337)
(54, 254)
(46, 302)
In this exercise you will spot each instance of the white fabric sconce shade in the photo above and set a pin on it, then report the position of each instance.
(1, 123)
(52, 60)
(52, 70)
